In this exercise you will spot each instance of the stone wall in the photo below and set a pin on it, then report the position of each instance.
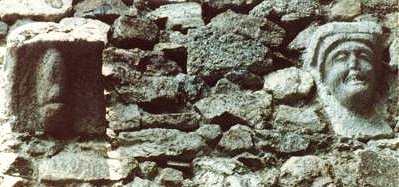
(241, 93)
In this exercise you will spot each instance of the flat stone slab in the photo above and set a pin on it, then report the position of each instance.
(43, 10)
(85, 167)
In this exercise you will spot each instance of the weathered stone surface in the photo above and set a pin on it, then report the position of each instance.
(123, 117)
(180, 16)
(345, 9)
(126, 64)
(130, 32)
(288, 10)
(288, 118)
(257, 28)
(44, 10)
(148, 169)
(237, 138)
(209, 131)
(3, 30)
(104, 10)
(290, 84)
(139, 182)
(377, 169)
(224, 86)
(348, 91)
(245, 79)
(253, 162)
(212, 53)
(281, 142)
(7, 161)
(61, 92)
(170, 177)
(242, 107)
(302, 39)
(304, 171)
(379, 6)
(385, 143)
(393, 51)
(157, 143)
(84, 167)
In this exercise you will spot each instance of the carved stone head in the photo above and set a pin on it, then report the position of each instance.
(344, 57)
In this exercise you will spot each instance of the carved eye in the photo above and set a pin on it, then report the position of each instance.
(341, 56)
(364, 56)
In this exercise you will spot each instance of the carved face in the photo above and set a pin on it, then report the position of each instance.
(350, 74)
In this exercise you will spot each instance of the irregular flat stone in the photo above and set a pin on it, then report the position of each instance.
(212, 53)
(286, 143)
(257, 28)
(130, 32)
(124, 117)
(237, 138)
(43, 10)
(170, 177)
(304, 171)
(224, 86)
(105, 10)
(385, 143)
(345, 9)
(209, 131)
(289, 85)
(148, 169)
(288, 10)
(139, 182)
(242, 107)
(245, 79)
(85, 167)
(228, 4)
(179, 16)
(157, 143)
(297, 119)
(46, 49)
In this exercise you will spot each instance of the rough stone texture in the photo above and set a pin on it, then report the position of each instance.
(69, 94)
(245, 79)
(230, 109)
(129, 32)
(345, 10)
(84, 167)
(44, 10)
(237, 138)
(259, 29)
(281, 142)
(209, 131)
(105, 10)
(157, 142)
(304, 171)
(3, 30)
(288, 118)
(288, 10)
(180, 16)
(170, 177)
(379, 6)
(212, 53)
(290, 84)
(139, 182)
(224, 86)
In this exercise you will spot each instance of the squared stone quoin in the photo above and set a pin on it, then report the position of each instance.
(53, 77)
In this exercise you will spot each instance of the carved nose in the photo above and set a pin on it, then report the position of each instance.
(352, 61)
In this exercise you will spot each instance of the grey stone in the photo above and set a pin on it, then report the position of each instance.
(170, 177)
(304, 171)
(61, 94)
(238, 138)
(123, 117)
(256, 28)
(242, 107)
(245, 79)
(281, 142)
(289, 85)
(345, 168)
(148, 169)
(345, 9)
(385, 143)
(229, 4)
(159, 143)
(209, 131)
(104, 10)
(253, 162)
(43, 10)
(394, 54)
(180, 16)
(87, 167)
(288, 10)
(8, 160)
(212, 53)
(297, 119)
(224, 86)
(3, 30)
(379, 6)
(302, 39)
(139, 182)
(377, 169)
(130, 32)
(126, 64)
(349, 93)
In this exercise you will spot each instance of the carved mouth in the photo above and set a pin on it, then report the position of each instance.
(355, 78)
